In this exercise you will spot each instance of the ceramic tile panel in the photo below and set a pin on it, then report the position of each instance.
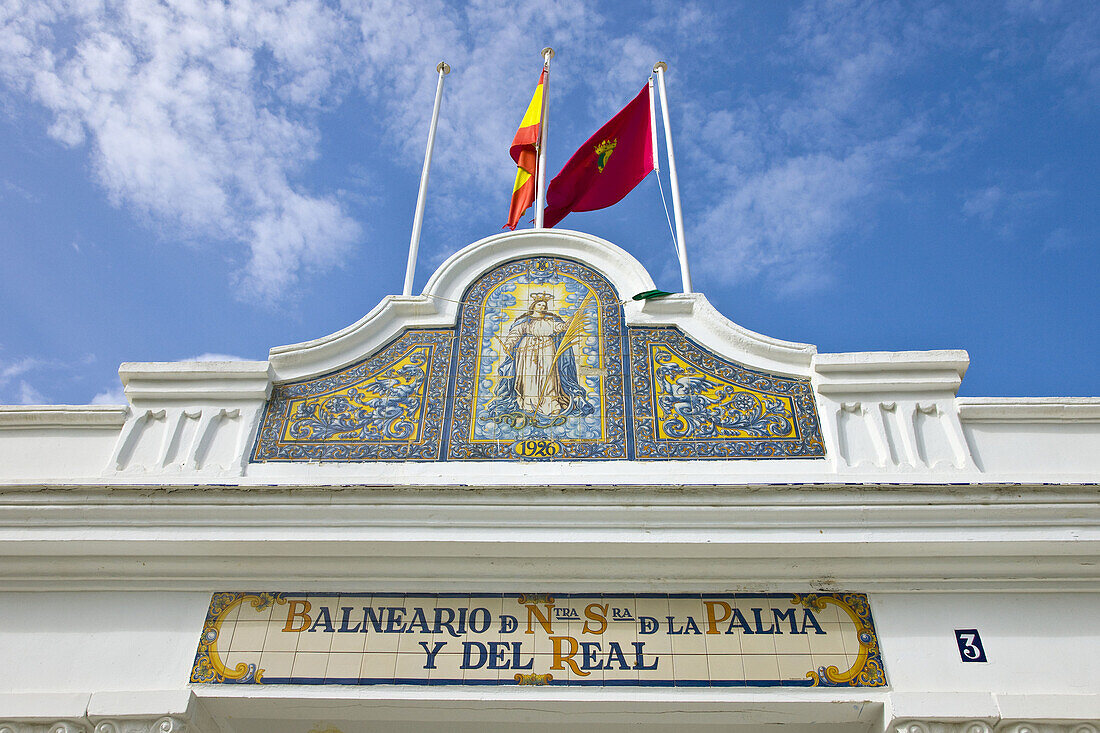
(349, 624)
(378, 668)
(248, 636)
(825, 639)
(343, 668)
(448, 670)
(277, 666)
(726, 669)
(279, 640)
(540, 366)
(689, 402)
(389, 406)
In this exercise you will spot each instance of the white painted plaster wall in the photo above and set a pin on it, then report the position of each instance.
(1036, 643)
(95, 642)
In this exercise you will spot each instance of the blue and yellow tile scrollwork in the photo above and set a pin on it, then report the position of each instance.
(536, 680)
(691, 403)
(867, 669)
(208, 666)
(389, 406)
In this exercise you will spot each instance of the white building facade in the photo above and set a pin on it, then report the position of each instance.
(524, 499)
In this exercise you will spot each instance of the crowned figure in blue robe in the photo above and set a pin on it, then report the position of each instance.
(538, 377)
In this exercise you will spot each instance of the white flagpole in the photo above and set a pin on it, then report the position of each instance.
(653, 127)
(540, 167)
(685, 273)
(418, 217)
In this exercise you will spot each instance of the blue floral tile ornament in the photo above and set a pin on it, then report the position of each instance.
(389, 406)
(691, 403)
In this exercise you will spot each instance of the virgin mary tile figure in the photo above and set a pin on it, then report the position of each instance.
(539, 371)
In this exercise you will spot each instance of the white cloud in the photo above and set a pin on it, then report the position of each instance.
(984, 203)
(110, 396)
(1076, 55)
(1004, 209)
(779, 222)
(1059, 240)
(10, 370)
(28, 395)
(209, 356)
(786, 174)
(200, 116)
(203, 116)
(197, 115)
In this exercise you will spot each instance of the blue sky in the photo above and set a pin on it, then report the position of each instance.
(217, 178)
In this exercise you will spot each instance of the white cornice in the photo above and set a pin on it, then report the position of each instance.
(195, 381)
(891, 371)
(1029, 409)
(777, 539)
(58, 416)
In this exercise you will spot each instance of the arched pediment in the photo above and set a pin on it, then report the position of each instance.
(524, 347)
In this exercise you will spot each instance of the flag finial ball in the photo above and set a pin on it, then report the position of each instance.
(660, 66)
(443, 67)
(548, 53)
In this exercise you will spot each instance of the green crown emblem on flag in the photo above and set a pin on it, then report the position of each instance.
(604, 151)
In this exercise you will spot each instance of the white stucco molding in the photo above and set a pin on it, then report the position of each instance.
(37, 726)
(984, 712)
(1029, 409)
(62, 416)
(189, 416)
(146, 711)
(885, 539)
(195, 381)
(44, 712)
(939, 726)
(1041, 726)
(893, 410)
(164, 724)
(891, 371)
(438, 307)
(694, 314)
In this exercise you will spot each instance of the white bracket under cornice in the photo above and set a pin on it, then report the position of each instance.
(197, 416)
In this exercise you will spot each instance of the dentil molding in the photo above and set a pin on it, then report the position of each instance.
(1026, 727)
(981, 726)
(60, 726)
(940, 726)
(162, 724)
(165, 724)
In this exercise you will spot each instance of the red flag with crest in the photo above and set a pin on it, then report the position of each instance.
(608, 166)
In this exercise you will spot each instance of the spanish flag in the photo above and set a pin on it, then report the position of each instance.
(525, 151)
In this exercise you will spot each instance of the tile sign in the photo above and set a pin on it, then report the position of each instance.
(701, 640)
